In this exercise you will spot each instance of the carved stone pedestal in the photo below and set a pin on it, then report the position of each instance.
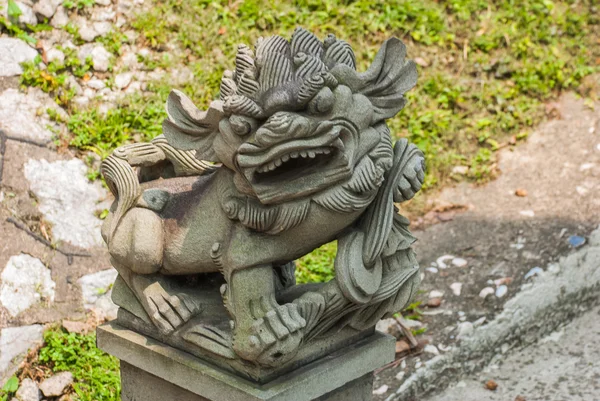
(154, 371)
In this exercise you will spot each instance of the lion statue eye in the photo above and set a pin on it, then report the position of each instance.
(242, 125)
(322, 102)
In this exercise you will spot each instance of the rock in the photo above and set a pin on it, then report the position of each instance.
(87, 33)
(46, 8)
(104, 2)
(27, 16)
(421, 61)
(459, 262)
(76, 327)
(479, 321)
(13, 52)
(491, 385)
(20, 114)
(123, 80)
(25, 282)
(501, 291)
(381, 390)
(56, 385)
(434, 302)
(55, 55)
(456, 288)
(460, 170)
(102, 27)
(411, 323)
(486, 291)
(68, 200)
(400, 375)
(536, 271)
(15, 342)
(441, 261)
(432, 270)
(101, 58)
(61, 18)
(436, 294)
(28, 391)
(465, 329)
(96, 291)
(96, 84)
(431, 349)
(402, 346)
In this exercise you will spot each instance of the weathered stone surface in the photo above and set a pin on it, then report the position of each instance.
(70, 212)
(25, 282)
(46, 8)
(28, 391)
(14, 344)
(27, 16)
(13, 52)
(22, 115)
(101, 58)
(96, 289)
(149, 372)
(55, 385)
(61, 18)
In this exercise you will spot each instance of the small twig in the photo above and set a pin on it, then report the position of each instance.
(37, 237)
(407, 333)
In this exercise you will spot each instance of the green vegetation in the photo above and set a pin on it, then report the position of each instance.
(96, 373)
(10, 387)
(486, 69)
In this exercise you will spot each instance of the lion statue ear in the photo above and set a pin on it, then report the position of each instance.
(188, 128)
(385, 82)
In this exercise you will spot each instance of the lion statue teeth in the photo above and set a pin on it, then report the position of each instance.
(209, 217)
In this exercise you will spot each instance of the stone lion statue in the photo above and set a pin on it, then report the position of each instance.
(210, 216)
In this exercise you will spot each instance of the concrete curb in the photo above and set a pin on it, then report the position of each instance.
(566, 290)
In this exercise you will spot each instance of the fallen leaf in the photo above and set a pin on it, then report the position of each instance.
(491, 385)
(86, 77)
(402, 346)
(520, 398)
(434, 302)
(521, 192)
(222, 30)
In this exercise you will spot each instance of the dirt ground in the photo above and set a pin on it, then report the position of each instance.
(502, 236)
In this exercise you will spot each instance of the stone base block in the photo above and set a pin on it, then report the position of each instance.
(153, 371)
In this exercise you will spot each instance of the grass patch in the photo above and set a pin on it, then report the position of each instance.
(96, 373)
(317, 267)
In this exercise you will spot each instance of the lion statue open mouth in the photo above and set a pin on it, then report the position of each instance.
(294, 154)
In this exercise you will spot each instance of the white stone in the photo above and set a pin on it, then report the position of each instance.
(431, 349)
(96, 83)
(527, 213)
(87, 33)
(28, 391)
(459, 262)
(385, 325)
(461, 170)
(55, 55)
(411, 323)
(586, 166)
(96, 289)
(16, 341)
(431, 269)
(102, 27)
(123, 80)
(400, 375)
(20, 114)
(56, 385)
(486, 291)
(67, 199)
(101, 58)
(46, 8)
(501, 291)
(25, 282)
(536, 271)
(436, 294)
(456, 288)
(381, 390)
(441, 261)
(61, 18)
(13, 52)
(479, 321)
(104, 2)
(27, 16)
